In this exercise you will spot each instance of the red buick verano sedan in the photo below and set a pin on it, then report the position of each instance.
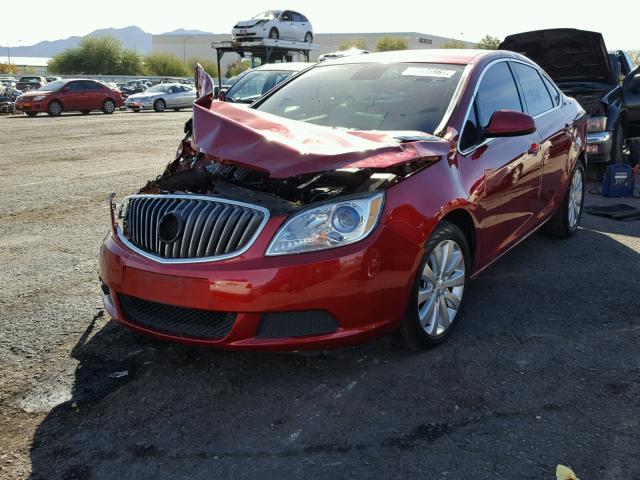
(69, 95)
(354, 200)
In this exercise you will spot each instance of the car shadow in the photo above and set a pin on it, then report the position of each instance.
(537, 373)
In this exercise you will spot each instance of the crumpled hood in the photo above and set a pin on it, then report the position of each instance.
(248, 23)
(285, 148)
(566, 54)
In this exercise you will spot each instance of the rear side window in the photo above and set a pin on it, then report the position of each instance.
(296, 17)
(553, 91)
(536, 95)
(497, 91)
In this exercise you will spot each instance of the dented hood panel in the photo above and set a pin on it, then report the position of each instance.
(285, 148)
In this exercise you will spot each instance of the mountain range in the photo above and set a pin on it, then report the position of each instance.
(131, 37)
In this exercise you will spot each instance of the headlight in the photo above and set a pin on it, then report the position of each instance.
(596, 124)
(39, 97)
(328, 226)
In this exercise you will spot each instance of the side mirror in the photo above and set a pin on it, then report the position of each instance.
(508, 123)
(221, 95)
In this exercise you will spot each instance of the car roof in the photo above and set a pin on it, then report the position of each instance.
(285, 66)
(425, 55)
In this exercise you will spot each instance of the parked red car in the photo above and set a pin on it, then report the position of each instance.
(354, 200)
(69, 95)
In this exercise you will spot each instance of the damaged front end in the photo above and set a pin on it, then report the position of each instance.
(281, 164)
(250, 166)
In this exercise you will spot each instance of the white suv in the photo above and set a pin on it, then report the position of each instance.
(274, 24)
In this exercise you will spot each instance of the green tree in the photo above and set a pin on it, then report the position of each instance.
(237, 67)
(453, 44)
(388, 43)
(359, 43)
(7, 68)
(165, 65)
(488, 43)
(209, 65)
(96, 56)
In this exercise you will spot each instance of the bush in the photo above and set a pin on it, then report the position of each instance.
(209, 65)
(165, 65)
(97, 56)
(489, 43)
(360, 43)
(387, 44)
(8, 68)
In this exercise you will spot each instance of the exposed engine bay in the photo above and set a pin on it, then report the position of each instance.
(195, 172)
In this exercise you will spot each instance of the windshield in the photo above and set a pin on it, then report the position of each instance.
(163, 87)
(52, 87)
(369, 96)
(268, 15)
(255, 84)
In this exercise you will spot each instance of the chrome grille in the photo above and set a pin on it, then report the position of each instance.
(207, 228)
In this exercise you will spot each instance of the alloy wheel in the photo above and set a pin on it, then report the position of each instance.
(109, 106)
(575, 198)
(441, 288)
(55, 109)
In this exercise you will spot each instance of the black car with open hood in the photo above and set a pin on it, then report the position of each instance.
(578, 61)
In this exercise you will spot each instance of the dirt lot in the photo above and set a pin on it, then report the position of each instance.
(543, 369)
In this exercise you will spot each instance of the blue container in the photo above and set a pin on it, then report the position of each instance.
(617, 181)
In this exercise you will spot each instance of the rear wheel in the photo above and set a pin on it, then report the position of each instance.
(274, 33)
(109, 106)
(31, 114)
(54, 109)
(436, 299)
(566, 219)
(159, 105)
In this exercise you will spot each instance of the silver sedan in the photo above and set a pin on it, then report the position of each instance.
(163, 96)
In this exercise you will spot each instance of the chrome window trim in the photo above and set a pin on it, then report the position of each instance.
(174, 261)
(475, 93)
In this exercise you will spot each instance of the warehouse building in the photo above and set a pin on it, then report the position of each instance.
(200, 46)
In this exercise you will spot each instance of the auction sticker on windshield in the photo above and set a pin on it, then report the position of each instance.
(429, 72)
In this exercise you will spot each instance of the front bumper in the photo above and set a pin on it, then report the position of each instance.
(137, 105)
(364, 287)
(599, 147)
(39, 106)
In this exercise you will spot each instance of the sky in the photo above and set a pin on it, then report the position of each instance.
(466, 19)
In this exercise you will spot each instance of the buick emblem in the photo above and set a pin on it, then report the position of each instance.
(170, 227)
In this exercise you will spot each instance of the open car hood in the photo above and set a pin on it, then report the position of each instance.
(566, 54)
(286, 148)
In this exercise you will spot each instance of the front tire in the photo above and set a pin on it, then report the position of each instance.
(308, 38)
(54, 109)
(109, 106)
(437, 296)
(566, 219)
(159, 105)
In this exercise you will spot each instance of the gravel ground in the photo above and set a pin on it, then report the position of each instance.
(544, 367)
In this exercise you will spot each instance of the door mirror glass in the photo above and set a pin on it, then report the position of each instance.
(507, 123)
